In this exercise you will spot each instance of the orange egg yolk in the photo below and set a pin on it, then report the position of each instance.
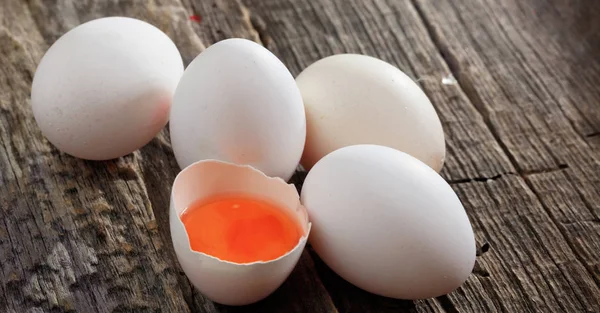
(240, 229)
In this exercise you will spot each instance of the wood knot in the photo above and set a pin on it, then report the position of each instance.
(127, 247)
(13, 277)
(152, 225)
(127, 173)
(79, 211)
(101, 207)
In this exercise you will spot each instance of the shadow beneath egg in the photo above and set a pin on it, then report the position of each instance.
(351, 299)
(298, 178)
(301, 292)
(313, 287)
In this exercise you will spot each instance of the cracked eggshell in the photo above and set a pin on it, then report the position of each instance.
(388, 223)
(355, 99)
(223, 281)
(237, 102)
(104, 89)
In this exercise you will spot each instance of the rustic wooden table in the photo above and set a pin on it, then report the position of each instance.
(522, 123)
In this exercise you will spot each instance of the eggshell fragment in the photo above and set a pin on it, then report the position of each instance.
(356, 99)
(238, 103)
(222, 281)
(104, 89)
(388, 223)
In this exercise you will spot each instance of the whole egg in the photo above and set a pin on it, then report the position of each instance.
(104, 89)
(238, 103)
(355, 99)
(388, 223)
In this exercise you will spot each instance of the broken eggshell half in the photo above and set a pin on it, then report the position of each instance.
(223, 281)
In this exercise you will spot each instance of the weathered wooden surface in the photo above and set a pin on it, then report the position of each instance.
(522, 123)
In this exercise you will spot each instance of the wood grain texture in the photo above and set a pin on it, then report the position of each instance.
(507, 61)
(76, 236)
(521, 120)
(509, 66)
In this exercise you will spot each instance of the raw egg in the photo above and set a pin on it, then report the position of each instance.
(238, 103)
(237, 233)
(104, 89)
(356, 99)
(388, 223)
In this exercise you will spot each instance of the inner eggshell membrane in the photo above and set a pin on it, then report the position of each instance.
(240, 228)
(236, 213)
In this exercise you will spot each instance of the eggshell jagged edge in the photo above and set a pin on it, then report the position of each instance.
(191, 260)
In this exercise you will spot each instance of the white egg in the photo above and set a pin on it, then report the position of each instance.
(223, 281)
(104, 89)
(388, 223)
(237, 102)
(356, 99)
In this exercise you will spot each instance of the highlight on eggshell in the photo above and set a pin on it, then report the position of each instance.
(357, 99)
(104, 89)
(250, 229)
(388, 223)
(237, 102)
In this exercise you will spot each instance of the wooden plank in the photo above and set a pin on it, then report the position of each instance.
(222, 19)
(559, 41)
(559, 191)
(486, 45)
(76, 235)
(94, 236)
(553, 143)
(53, 18)
(533, 263)
(530, 267)
(505, 59)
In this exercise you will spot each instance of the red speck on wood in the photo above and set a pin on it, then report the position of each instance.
(196, 18)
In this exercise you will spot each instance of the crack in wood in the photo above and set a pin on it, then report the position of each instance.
(545, 171)
(477, 179)
(522, 174)
(596, 134)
